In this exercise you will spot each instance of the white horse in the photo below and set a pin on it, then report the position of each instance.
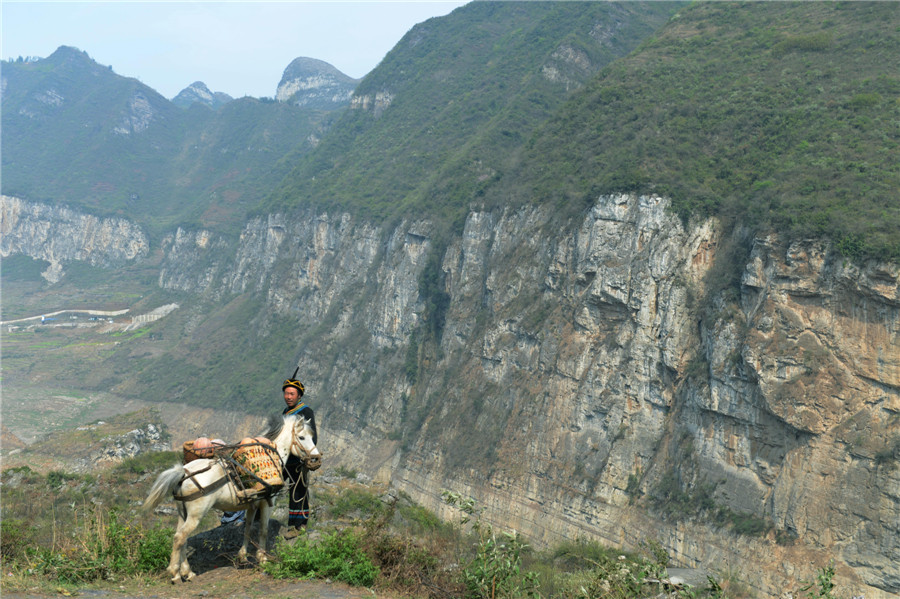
(203, 484)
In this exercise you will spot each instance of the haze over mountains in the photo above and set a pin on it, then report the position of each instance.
(620, 270)
(118, 147)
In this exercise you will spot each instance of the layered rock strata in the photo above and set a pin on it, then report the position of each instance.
(586, 377)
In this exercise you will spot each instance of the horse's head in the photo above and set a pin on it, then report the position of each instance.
(302, 444)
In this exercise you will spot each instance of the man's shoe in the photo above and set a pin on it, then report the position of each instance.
(293, 532)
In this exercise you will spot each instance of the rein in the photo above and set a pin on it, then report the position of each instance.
(311, 462)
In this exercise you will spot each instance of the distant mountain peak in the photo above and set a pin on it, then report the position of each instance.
(315, 83)
(198, 93)
(70, 51)
(71, 57)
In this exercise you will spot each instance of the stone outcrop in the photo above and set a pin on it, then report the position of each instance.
(138, 115)
(377, 103)
(59, 235)
(8, 440)
(315, 84)
(198, 93)
(115, 449)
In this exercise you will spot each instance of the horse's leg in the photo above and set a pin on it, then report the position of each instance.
(175, 558)
(181, 568)
(249, 514)
(264, 511)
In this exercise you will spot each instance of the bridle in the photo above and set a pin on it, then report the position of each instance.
(310, 461)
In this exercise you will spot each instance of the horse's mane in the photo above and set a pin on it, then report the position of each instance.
(276, 424)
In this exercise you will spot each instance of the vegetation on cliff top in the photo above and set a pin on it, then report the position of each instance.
(779, 115)
(466, 92)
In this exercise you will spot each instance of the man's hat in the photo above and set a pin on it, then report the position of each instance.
(293, 382)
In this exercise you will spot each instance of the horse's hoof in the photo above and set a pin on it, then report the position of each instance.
(189, 577)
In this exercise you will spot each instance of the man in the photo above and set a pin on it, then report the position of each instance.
(295, 470)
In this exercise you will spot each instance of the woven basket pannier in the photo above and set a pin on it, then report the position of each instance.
(256, 458)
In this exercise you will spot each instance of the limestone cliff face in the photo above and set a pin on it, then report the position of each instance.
(595, 379)
(583, 373)
(60, 235)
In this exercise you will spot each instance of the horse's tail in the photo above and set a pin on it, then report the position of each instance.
(164, 485)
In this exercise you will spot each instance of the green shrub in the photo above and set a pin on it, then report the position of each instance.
(337, 556)
(421, 519)
(357, 501)
(57, 478)
(151, 461)
(890, 454)
(345, 472)
(154, 549)
(623, 577)
(748, 524)
(816, 42)
(15, 536)
(105, 548)
(822, 586)
(495, 570)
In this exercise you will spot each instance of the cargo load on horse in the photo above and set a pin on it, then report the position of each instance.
(253, 465)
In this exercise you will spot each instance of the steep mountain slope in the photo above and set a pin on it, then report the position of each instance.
(776, 115)
(449, 107)
(104, 137)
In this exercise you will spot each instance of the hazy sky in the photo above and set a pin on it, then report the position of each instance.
(240, 47)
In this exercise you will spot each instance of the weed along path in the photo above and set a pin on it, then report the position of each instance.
(212, 556)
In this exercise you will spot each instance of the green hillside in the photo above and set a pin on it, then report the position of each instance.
(780, 115)
(68, 136)
(229, 164)
(467, 91)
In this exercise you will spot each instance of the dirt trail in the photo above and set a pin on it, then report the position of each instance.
(221, 583)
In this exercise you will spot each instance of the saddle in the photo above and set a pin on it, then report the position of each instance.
(253, 466)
